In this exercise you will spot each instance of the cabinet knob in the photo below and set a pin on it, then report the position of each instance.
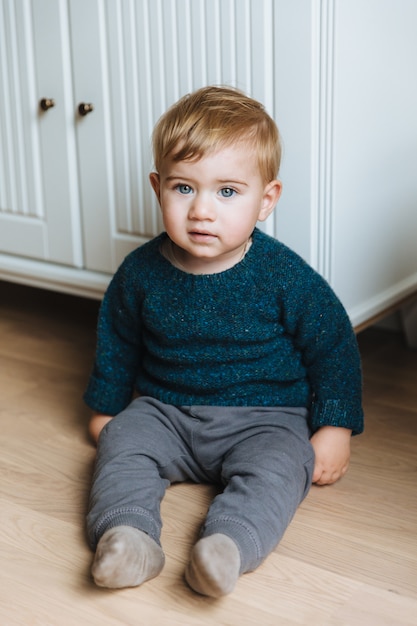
(47, 103)
(85, 108)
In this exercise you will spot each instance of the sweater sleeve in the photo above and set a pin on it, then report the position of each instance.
(323, 333)
(118, 348)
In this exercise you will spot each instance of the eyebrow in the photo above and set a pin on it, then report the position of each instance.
(232, 182)
(226, 181)
(170, 178)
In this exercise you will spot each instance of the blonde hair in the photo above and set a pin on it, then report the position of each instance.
(214, 117)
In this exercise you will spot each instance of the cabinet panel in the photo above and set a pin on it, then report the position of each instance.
(39, 213)
(93, 132)
(374, 157)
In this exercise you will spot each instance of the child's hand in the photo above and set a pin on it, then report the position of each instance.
(96, 425)
(332, 449)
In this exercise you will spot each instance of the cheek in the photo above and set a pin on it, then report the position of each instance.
(171, 219)
(240, 219)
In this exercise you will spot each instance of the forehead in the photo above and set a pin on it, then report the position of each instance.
(225, 162)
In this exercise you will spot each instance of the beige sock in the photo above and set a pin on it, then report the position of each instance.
(214, 566)
(126, 557)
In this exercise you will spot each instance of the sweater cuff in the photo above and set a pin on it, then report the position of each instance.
(340, 413)
(98, 397)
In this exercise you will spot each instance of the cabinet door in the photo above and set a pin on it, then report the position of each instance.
(116, 204)
(38, 179)
(132, 60)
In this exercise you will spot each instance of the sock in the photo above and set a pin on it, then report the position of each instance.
(126, 557)
(214, 566)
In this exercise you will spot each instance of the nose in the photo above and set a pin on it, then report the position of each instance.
(202, 208)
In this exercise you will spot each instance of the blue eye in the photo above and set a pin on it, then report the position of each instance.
(227, 192)
(184, 189)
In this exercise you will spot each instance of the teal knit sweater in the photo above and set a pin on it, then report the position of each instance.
(267, 332)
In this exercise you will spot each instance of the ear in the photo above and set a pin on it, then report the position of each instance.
(271, 195)
(155, 181)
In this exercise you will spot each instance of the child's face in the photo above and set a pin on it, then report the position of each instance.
(210, 206)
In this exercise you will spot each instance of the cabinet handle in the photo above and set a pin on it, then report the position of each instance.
(46, 103)
(85, 108)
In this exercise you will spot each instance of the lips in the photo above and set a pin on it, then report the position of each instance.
(201, 235)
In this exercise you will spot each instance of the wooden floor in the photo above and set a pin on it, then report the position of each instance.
(348, 558)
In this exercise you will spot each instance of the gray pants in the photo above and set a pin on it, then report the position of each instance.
(262, 457)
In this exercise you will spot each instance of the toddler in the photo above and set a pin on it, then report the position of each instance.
(222, 357)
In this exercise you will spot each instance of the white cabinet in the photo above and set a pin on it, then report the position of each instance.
(62, 181)
(338, 76)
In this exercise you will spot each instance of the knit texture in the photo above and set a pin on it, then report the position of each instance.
(267, 332)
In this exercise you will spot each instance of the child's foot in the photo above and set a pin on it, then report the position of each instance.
(126, 557)
(214, 566)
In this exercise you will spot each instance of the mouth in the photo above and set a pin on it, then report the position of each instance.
(201, 235)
